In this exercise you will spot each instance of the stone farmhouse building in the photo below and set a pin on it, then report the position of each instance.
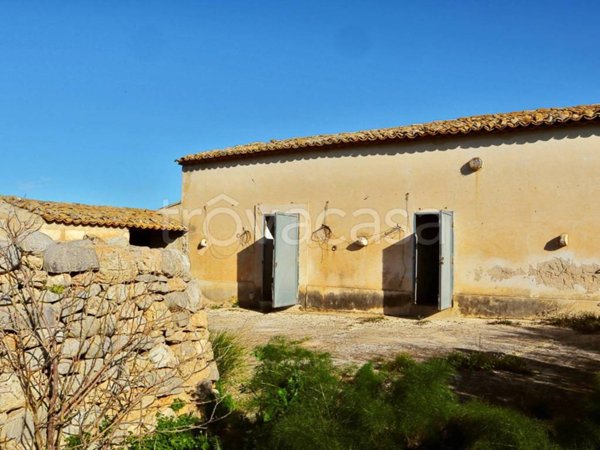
(74, 221)
(485, 215)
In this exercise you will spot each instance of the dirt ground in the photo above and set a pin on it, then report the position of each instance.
(354, 338)
(562, 361)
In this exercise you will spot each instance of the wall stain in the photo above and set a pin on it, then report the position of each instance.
(558, 273)
(564, 274)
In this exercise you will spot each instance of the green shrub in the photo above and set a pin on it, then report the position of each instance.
(582, 432)
(183, 432)
(423, 400)
(288, 373)
(476, 425)
(365, 412)
(586, 323)
(474, 360)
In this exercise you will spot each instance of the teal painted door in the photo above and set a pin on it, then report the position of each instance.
(285, 264)
(446, 260)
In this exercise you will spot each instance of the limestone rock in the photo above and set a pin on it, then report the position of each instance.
(174, 336)
(158, 313)
(62, 279)
(70, 257)
(190, 299)
(36, 243)
(148, 260)
(18, 427)
(181, 318)
(117, 264)
(176, 285)
(10, 257)
(143, 302)
(199, 320)
(10, 393)
(147, 278)
(97, 347)
(117, 292)
(72, 348)
(98, 306)
(195, 294)
(163, 357)
(174, 263)
(159, 287)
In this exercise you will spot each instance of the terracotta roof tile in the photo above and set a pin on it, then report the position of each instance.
(464, 125)
(102, 216)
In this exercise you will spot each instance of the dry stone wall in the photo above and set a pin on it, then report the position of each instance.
(131, 316)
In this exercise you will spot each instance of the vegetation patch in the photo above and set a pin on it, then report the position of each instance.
(509, 323)
(372, 319)
(475, 360)
(586, 323)
(229, 354)
(299, 400)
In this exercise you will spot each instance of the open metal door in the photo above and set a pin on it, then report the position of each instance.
(285, 264)
(446, 260)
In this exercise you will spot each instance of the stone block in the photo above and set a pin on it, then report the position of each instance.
(97, 347)
(70, 257)
(72, 348)
(174, 336)
(199, 320)
(11, 396)
(174, 263)
(10, 257)
(176, 285)
(98, 306)
(117, 264)
(143, 302)
(163, 357)
(36, 243)
(148, 260)
(158, 287)
(18, 426)
(191, 299)
(181, 318)
(117, 292)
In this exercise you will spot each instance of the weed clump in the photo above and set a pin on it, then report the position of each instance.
(229, 354)
(475, 360)
(586, 323)
(508, 323)
(302, 401)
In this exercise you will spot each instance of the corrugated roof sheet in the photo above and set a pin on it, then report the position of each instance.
(90, 215)
(461, 126)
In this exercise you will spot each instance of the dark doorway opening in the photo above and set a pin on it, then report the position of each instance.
(152, 238)
(268, 247)
(427, 264)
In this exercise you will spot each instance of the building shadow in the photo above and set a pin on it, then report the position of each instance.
(397, 276)
(249, 269)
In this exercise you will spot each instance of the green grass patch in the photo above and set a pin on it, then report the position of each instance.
(230, 355)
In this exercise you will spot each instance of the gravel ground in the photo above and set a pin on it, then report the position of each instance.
(354, 338)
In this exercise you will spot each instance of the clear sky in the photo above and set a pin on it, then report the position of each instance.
(97, 99)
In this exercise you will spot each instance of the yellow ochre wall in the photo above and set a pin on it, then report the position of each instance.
(534, 186)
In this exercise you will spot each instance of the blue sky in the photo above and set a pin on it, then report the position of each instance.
(97, 99)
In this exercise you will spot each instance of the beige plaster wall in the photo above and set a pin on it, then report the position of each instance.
(60, 232)
(534, 186)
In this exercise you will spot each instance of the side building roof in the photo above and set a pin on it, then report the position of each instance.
(462, 126)
(90, 215)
